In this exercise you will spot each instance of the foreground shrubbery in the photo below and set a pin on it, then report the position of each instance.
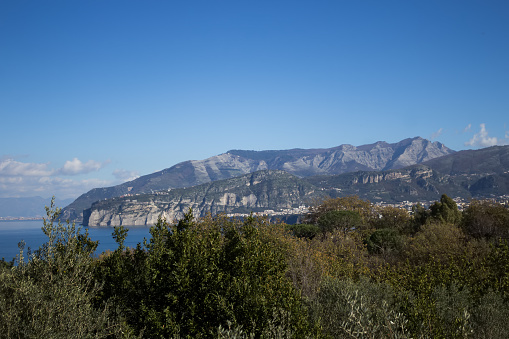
(49, 294)
(353, 271)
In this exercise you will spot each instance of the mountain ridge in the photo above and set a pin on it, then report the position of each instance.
(300, 162)
(281, 190)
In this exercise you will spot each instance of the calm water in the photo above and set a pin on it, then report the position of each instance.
(12, 232)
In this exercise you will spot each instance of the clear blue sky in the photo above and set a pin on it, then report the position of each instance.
(95, 92)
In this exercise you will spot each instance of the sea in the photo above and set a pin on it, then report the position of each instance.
(13, 232)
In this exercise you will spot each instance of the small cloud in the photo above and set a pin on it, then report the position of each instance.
(466, 129)
(124, 175)
(24, 179)
(482, 138)
(10, 167)
(75, 166)
(436, 134)
(47, 186)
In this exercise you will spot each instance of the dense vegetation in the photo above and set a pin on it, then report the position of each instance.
(354, 270)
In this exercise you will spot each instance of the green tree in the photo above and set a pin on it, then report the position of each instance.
(385, 241)
(391, 217)
(420, 216)
(446, 210)
(200, 274)
(122, 274)
(486, 219)
(349, 203)
(345, 221)
(308, 231)
(359, 309)
(49, 294)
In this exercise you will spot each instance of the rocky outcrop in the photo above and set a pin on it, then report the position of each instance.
(300, 162)
(278, 190)
(259, 191)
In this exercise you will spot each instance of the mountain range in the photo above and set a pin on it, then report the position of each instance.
(469, 174)
(301, 163)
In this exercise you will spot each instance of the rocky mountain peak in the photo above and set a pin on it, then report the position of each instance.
(300, 162)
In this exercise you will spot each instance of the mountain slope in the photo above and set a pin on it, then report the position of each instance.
(494, 160)
(276, 190)
(300, 162)
(482, 173)
(250, 192)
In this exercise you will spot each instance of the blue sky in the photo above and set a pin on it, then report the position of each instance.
(93, 93)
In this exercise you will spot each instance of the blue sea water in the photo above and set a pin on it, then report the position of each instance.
(12, 232)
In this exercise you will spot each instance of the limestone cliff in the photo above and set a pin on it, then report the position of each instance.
(300, 162)
(258, 191)
(277, 190)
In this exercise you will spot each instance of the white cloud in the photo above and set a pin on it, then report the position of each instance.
(10, 167)
(466, 129)
(482, 139)
(436, 134)
(75, 166)
(47, 186)
(20, 179)
(124, 175)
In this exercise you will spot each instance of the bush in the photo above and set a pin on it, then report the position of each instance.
(435, 240)
(307, 231)
(199, 274)
(391, 217)
(489, 317)
(50, 293)
(344, 221)
(486, 219)
(350, 203)
(385, 241)
(362, 309)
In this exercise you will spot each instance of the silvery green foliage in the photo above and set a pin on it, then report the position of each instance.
(49, 294)
(363, 309)
(463, 317)
(233, 333)
(453, 308)
(277, 328)
(490, 317)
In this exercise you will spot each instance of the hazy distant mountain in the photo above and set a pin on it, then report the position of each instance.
(27, 207)
(468, 174)
(300, 162)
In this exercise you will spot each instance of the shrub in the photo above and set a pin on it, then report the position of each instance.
(307, 231)
(345, 221)
(385, 241)
(391, 217)
(486, 219)
(489, 317)
(439, 241)
(50, 293)
(350, 203)
(362, 309)
(200, 274)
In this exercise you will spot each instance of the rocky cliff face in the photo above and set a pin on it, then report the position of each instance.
(276, 190)
(258, 191)
(347, 158)
(300, 162)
